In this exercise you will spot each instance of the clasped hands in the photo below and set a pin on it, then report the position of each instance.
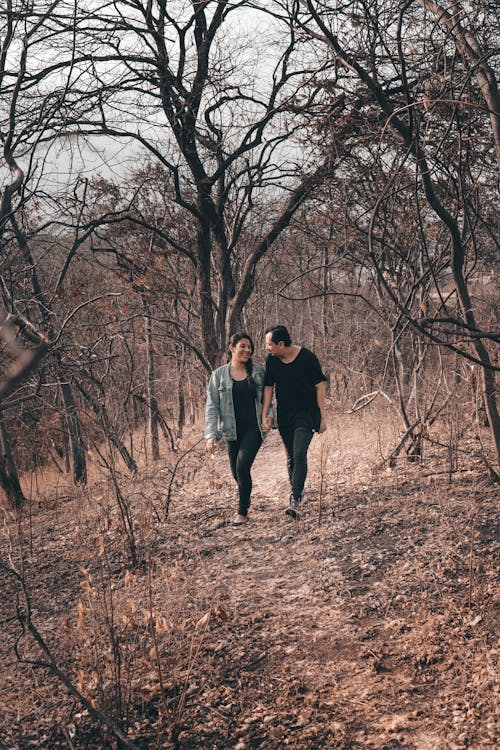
(267, 423)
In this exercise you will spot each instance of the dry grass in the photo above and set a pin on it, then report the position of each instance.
(370, 624)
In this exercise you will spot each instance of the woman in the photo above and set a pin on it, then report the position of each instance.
(233, 411)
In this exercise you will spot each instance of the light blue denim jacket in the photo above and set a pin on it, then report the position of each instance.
(219, 412)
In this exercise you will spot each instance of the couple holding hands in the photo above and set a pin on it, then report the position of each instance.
(238, 409)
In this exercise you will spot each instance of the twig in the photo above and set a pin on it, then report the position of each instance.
(174, 470)
(154, 637)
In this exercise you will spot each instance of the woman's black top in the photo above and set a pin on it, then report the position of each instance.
(244, 407)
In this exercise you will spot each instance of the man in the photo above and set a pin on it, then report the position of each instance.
(300, 396)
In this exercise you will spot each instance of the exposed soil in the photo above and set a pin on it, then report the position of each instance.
(369, 623)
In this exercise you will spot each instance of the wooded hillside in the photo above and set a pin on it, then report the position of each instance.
(173, 173)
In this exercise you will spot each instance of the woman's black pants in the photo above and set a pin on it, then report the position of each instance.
(296, 441)
(242, 454)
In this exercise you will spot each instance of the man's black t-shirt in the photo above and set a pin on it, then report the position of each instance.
(296, 389)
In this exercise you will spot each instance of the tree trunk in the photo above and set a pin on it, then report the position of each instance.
(65, 443)
(151, 388)
(74, 434)
(488, 384)
(180, 352)
(9, 479)
(464, 300)
(326, 284)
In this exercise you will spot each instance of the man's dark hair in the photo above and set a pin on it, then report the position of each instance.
(279, 333)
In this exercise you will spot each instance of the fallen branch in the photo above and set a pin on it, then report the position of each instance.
(367, 399)
(24, 618)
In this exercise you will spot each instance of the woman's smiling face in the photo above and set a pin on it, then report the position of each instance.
(242, 351)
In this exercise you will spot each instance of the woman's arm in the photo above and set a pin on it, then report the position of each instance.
(212, 409)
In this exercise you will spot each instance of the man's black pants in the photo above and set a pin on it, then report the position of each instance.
(296, 441)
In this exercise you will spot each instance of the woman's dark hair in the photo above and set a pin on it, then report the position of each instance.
(249, 365)
(279, 333)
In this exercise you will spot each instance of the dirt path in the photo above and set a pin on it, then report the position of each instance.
(344, 633)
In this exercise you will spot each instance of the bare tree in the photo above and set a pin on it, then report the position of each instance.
(222, 129)
(434, 127)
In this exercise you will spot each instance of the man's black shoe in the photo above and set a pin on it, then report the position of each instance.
(293, 508)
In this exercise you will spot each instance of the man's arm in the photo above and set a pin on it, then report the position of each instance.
(321, 399)
(267, 421)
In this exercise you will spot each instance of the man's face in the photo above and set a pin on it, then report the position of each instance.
(275, 349)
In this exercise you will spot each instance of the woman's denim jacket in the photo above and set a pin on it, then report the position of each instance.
(219, 413)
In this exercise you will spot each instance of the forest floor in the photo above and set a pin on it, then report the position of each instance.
(368, 623)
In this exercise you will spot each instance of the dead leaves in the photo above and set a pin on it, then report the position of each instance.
(214, 614)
